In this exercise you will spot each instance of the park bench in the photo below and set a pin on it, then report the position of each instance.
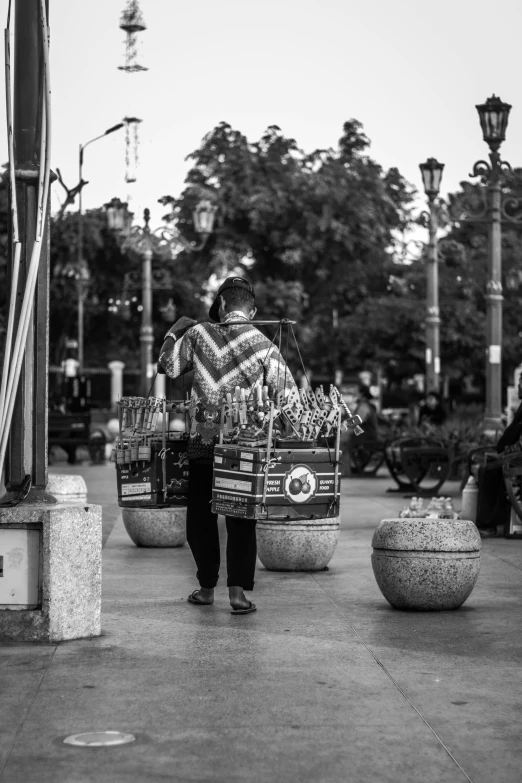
(418, 464)
(70, 430)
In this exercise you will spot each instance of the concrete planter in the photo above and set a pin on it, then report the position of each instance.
(426, 564)
(297, 545)
(156, 527)
(67, 488)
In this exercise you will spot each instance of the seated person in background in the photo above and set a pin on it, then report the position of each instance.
(362, 446)
(363, 407)
(431, 411)
(493, 506)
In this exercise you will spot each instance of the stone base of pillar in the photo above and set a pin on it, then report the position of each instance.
(50, 589)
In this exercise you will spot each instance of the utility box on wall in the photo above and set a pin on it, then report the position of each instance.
(20, 568)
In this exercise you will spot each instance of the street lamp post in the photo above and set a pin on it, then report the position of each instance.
(494, 116)
(431, 172)
(165, 242)
(494, 209)
(82, 270)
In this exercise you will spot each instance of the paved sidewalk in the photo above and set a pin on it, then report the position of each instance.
(324, 683)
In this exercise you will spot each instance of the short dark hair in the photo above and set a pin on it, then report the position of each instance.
(238, 297)
(364, 392)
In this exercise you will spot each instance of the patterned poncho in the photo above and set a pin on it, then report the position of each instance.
(222, 358)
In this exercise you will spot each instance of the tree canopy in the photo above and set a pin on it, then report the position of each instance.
(314, 232)
(317, 233)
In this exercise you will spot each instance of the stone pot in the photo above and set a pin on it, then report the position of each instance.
(67, 488)
(297, 544)
(426, 564)
(156, 527)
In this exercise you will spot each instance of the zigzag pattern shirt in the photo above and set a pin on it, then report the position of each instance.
(223, 358)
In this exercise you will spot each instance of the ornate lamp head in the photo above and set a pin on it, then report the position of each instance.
(431, 172)
(203, 217)
(493, 115)
(119, 219)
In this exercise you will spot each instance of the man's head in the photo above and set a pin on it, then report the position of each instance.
(235, 293)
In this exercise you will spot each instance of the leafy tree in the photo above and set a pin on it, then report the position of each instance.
(313, 231)
(108, 335)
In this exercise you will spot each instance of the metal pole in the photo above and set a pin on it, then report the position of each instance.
(79, 264)
(146, 332)
(493, 418)
(27, 452)
(432, 304)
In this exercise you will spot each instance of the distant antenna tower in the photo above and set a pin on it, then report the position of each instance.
(133, 23)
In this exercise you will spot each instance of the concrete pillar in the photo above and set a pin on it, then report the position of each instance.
(513, 400)
(67, 488)
(516, 375)
(116, 369)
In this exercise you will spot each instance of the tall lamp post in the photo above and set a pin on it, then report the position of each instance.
(165, 242)
(493, 209)
(431, 172)
(82, 270)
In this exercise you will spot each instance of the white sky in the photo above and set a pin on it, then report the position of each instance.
(410, 71)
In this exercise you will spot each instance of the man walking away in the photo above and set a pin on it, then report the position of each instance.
(222, 358)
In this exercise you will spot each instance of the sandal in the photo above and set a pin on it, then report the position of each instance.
(250, 608)
(193, 599)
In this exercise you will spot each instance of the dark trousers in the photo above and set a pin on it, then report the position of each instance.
(203, 537)
(493, 506)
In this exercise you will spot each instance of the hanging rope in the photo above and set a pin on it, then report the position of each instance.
(300, 357)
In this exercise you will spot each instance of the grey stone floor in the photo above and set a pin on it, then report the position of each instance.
(324, 683)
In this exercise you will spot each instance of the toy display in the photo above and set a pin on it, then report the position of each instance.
(151, 461)
(270, 464)
(299, 420)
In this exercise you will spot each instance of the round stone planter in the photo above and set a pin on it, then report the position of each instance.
(426, 564)
(297, 545)
(67, 488)
(156, 527)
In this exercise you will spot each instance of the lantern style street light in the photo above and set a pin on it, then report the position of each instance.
(165, 242)
(492, 208)
(82, 270)
(431, 172)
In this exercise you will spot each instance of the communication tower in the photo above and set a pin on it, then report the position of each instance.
(133, 23)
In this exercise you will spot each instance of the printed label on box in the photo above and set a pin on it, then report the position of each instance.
(219, 460)
(133, 498)
(240, 486)
(246, 455)
(274, 486)
(300, 484)
(229, 509)
(238, 499)
(136, 489)
(246, 466)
